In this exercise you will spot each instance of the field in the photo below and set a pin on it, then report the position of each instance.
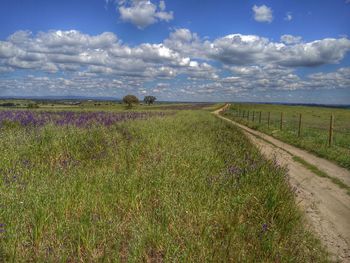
(170, 185)
(91, 105)
(314, 135)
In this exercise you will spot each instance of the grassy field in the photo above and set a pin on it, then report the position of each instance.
(314, 128)
(90, 105)
(185, 187)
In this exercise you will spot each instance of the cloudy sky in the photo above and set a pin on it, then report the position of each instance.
(193, 50)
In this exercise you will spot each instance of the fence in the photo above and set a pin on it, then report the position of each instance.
(298, 125)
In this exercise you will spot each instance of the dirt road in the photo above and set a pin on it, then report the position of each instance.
(326, 205)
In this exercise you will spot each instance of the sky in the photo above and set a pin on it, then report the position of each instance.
(207, 50)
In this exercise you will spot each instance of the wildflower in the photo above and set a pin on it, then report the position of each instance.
(234, 170)
(2, 228)
(79, 119)
(264, 227)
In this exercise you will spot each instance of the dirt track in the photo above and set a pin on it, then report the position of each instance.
(326, 206)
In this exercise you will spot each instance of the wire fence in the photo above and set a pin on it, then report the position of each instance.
(323, 129)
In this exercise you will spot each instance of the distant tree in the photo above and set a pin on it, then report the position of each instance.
(8, 104)
(33, 106)
(130, 99)
(149, 99)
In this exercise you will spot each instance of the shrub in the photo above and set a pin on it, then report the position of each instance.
(8, 104)
(33, 106)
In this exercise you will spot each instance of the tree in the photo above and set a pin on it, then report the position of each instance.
(33, 106)
(130, 99)
(149, 99)
(8, 104)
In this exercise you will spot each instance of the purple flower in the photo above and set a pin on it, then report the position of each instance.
(2, 228)
(264, 227)
(234, 170)
(78, 119)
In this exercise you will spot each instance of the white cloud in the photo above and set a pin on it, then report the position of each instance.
(227, 65)
(288, 16)
(7, 49)
(319, 52)
(262, 13)
(72, 50)
(337, 79)
(143, 13)
(289, 39)
(187, 43)
(101, 54)
(240, 49)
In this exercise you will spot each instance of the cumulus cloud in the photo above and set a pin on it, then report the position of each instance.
(265, 77)
(316, 53)
(224, 66)
(53, 51)
(332, 80)
(143, 13)
(289, 39)
(250, 49)
(63, 86)
(185, 42)
(72, 50)
(262, 13)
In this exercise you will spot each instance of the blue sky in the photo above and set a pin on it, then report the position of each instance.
(286, 51)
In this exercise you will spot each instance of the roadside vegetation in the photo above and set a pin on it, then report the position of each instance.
(184, 187)
(314, 132)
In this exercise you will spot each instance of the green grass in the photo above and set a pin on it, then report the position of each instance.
(314, 132)
(184, 188)
(90, 105)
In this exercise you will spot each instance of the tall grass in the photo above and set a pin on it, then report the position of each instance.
(186, 188)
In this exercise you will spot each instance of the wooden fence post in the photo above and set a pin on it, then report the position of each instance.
(243, 114)
(268, 120)
(248, 116)
(253, 116)
(330, 138)
(281, 124)
(299, 130)
(260, 117)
